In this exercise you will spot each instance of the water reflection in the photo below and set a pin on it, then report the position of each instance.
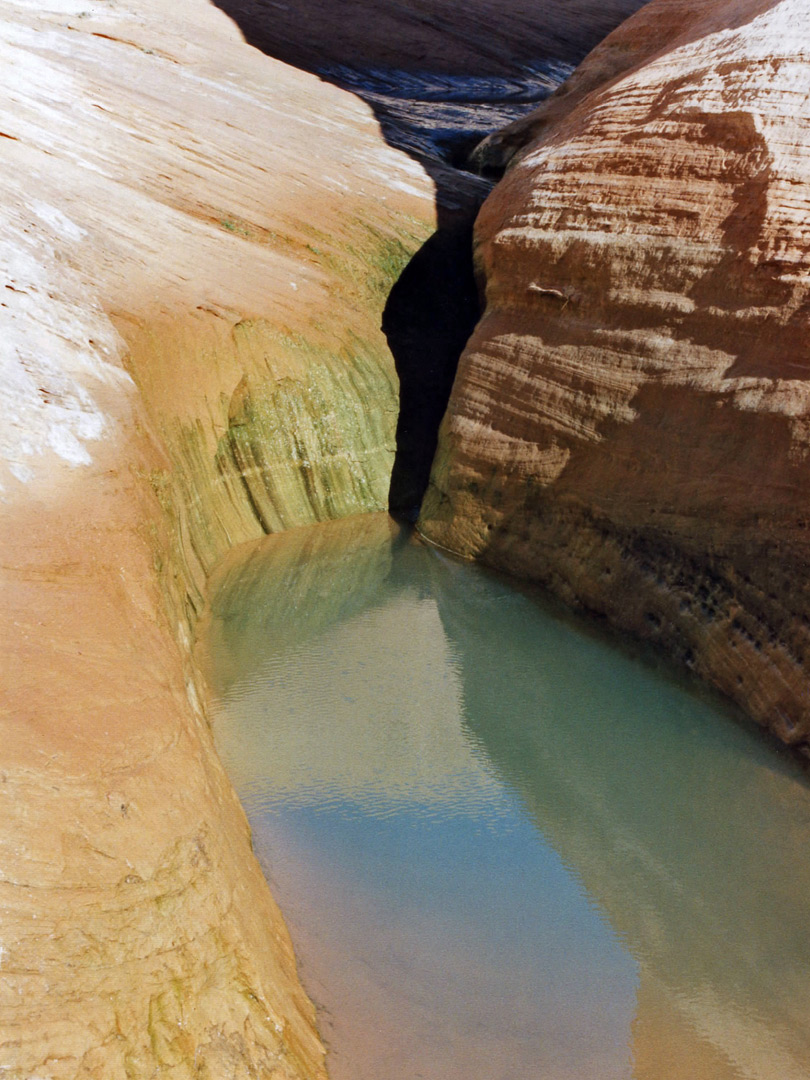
(689, 831)
(505, 847)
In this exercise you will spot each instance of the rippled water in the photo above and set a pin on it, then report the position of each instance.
(505, 848)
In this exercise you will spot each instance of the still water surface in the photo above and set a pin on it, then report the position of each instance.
(505, 847)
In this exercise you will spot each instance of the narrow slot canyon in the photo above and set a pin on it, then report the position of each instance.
(259, 279)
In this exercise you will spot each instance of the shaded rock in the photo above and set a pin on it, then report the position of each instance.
(482, 37)
(630, 420)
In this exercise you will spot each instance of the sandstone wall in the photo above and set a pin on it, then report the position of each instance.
(197, 247)
(630, 420)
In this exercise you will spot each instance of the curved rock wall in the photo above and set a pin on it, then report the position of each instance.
(630, 420)
(197, 244)
(138, 934)
(197, 247)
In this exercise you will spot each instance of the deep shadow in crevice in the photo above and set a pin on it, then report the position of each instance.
(439, 76)
(431, 312)
(455, 37)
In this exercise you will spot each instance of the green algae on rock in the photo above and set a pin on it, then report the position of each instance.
(156, 213)
(311, 449)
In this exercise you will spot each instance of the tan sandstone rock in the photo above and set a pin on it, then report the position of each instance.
(631, 420)
(197, 246)
(197, 243)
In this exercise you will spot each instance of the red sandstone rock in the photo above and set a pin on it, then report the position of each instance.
(631, 420)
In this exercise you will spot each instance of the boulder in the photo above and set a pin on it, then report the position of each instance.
(630, 424)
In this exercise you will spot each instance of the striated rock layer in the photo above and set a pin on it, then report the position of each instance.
(631, 420)
(197, 243)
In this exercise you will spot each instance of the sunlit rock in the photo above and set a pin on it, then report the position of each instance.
(630, 420)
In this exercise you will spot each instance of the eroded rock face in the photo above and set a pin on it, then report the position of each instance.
(630, 422)
(197, 246)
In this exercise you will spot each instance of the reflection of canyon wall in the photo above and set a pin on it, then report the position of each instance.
(691, 836)
(664, 1040)
(383, 724)
(689, 833)
(344, 564)
(630, 421)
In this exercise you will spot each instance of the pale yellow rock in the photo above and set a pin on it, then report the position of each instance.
(630, 420)
(239, 222)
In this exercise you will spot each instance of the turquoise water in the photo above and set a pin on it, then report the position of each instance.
(505, 847)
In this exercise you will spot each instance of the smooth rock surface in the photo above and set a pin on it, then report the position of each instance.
(631, 419)
(138, 934)
(197, 245)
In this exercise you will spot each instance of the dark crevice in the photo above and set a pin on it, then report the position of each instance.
(430, 314)
(439, 77)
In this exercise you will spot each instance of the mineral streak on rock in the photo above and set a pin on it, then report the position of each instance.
(197, 246)
(630, 422)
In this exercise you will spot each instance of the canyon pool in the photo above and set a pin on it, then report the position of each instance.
(506, 846)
